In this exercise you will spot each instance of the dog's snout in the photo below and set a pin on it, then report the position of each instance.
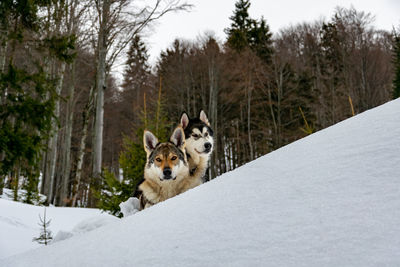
(167, 172)
(207, 146)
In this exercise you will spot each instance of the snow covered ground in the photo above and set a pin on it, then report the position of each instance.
(331, 199)
(19, 224)
(8, 194)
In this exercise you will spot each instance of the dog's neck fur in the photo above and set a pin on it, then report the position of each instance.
(197, 163)
(155, 191)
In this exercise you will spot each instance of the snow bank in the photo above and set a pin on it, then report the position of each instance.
(85, 226)
(130, 207)
(331, 199)
(19, 224)
(9, 195)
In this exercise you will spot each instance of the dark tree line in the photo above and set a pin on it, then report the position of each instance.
(260, 91)
(263, 92)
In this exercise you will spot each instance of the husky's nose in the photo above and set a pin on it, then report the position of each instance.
(167, 173)
(208, 146)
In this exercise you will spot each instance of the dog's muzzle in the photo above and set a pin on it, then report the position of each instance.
(207, 147)
(167, 174)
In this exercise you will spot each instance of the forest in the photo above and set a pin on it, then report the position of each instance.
(70, 130)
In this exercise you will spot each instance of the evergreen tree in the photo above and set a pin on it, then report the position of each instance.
(116, 190)
(27, 91)
(247, 32)
(261, 40)
(239, 31)
(137, 68)
(45, 235)
(332, 71)
(136, 83)
(396, 61)
(31, 195)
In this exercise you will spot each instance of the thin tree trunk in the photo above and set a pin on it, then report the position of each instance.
(213, 114)
(81, 153)
(271, 106)
(68, 136)
(66, 144)
(249, 91)
(3, 55)
(16, 183)
(1, 185)
(100, 84)
(54, 138)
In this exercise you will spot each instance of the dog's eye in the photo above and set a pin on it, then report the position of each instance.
(158, 159)
(206, 134)
(173, 158)
(195, 135)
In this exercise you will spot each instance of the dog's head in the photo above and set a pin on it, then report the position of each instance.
(165, 161)
(198, 133)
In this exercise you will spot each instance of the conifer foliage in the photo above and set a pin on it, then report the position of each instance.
(247, 32)
(118, 189)
(45, 236)
(27, 92)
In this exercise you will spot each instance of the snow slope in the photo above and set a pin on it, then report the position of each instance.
(19, 224)
(331, 199)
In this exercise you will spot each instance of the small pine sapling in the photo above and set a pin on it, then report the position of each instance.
(45, 235)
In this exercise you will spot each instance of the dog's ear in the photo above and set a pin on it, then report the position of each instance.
(184, 120)
(178, 138)
(149, 141)
(203, 117)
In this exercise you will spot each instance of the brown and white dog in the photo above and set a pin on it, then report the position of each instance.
(166, 171)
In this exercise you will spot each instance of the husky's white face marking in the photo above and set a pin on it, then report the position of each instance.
(200, 142)
(199, 136)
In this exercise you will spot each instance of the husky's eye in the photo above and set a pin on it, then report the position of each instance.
(206, 134)
(158, 159)
(195, 135)
(174, 158)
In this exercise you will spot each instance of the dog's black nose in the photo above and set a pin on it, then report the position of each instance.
(208, 146)
(167, 173)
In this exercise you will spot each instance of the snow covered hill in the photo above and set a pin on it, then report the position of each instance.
(331, 199)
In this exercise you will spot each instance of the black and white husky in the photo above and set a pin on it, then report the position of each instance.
(199, 144)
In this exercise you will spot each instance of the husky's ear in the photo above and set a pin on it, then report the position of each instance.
(149, 141)
(203, 117)
(184, 120)
(178, 138)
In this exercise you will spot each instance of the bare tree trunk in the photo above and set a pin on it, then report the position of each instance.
(81, 153)
(3, 55)
(249, 92)
(71, 24)
(100, 87)
(54, 138)
(68, 136)
(271, 106)
(213, 113)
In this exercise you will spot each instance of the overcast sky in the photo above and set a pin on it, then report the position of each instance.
(213, 15)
